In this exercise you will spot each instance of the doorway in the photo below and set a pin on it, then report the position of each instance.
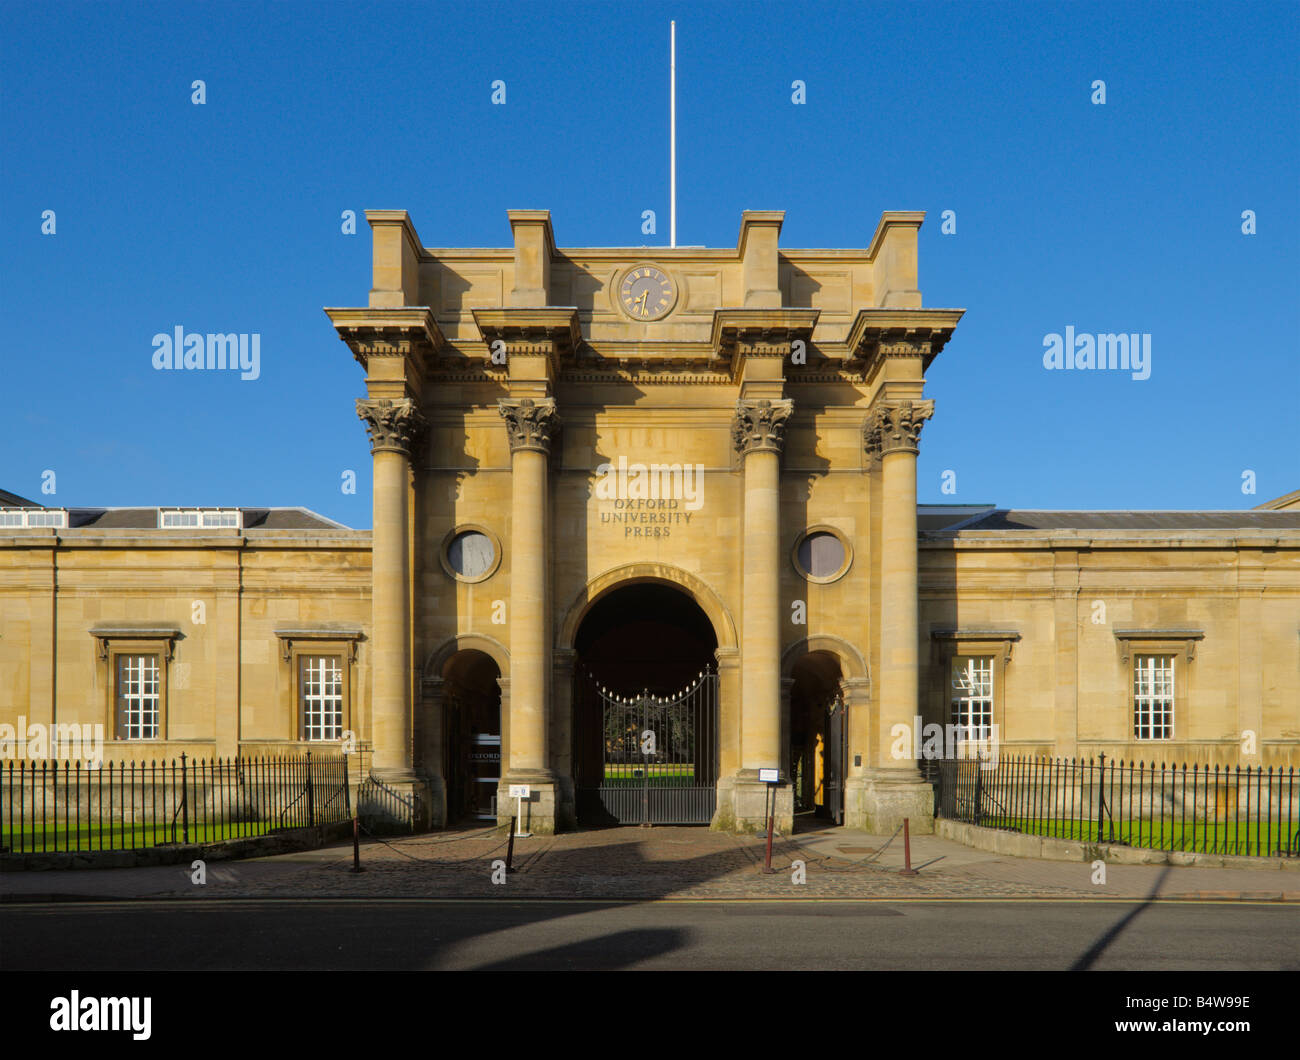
(471, 711)
(818, 737)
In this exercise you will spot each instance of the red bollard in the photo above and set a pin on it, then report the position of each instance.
(907, 869)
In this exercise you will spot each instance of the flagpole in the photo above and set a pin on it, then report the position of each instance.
(672, 135)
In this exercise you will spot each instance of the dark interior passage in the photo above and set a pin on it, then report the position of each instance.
(645, 710)
(646, 636)
(471, 701)
(817, 738)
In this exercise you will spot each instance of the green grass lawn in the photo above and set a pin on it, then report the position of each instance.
(35, 839)
(1223, 838)
(655, 776)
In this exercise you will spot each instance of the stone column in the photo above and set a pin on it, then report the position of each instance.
(531, 426)
(758, 433)
(892, 788)
(393, 426)
(563, 661)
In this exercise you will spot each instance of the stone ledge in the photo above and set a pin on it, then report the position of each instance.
(286, 842)
(1015, 844)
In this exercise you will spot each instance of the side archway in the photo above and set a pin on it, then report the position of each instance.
(825, 680)
(435, 663)
(853, 663)
(463, 724)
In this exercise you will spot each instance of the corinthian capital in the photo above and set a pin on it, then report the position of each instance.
(391, 424)
(531, 424)
(895, 427)
(760, 425)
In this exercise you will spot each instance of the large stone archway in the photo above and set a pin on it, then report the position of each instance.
(723, 650)
(704, 595)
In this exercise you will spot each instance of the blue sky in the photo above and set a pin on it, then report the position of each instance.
(1122, 217)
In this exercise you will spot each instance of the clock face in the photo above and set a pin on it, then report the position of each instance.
(471, 554)
(646, 293)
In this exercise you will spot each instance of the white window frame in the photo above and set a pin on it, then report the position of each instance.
(1155, 681)
(200, 519)
(971, 699)
(319, 701)
(33, 518)
(138, 710)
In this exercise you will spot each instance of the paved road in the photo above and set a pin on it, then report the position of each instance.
(417, 934)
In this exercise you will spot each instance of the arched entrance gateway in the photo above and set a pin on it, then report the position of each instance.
(645, 709)
(460, 731)
(818, 735)
(542, 431)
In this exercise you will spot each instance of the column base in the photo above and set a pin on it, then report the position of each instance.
(398, 800)
(878, 800)
(743, 802)
(437, 800)
(545, 811)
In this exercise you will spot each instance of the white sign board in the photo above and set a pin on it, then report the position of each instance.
(520, 791)
(769, 776)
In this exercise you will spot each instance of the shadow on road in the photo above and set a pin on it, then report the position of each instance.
(1094, 952)
(607, 953)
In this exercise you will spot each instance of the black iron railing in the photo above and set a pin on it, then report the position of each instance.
(1197, 809)
(49, 807)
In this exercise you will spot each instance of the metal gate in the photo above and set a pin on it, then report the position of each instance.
(656, 760)
(835, 741)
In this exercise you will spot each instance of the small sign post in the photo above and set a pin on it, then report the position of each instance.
(770, 777)
(519, 792)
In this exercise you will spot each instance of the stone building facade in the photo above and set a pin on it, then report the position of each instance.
(646, 525)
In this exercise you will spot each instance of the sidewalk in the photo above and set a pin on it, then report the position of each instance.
(655, 863)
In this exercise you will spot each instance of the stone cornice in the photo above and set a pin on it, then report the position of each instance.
(1006, 638)
(1185, 638)
(551, 333)
(553, 328)
(392, 425)
(410, 332)
(739, 327)
(1093, 540)
(744, 335)
(759, 426)
(166, 635)
(531, 425)
(880, 333)
(666, 376)
(287, 637)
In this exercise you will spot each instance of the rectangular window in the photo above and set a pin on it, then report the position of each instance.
(1153, 697)
(33, 517)
(972, 691)
(199, 518)
(320, 696)
(138, 697)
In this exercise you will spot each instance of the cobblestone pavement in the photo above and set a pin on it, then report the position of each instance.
(660, 862)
